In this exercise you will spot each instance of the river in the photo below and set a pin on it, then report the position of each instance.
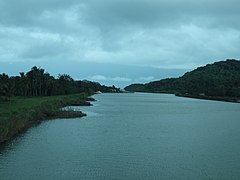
(131, 136)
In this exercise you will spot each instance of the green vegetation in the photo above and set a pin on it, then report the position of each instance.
(21, 112)
(37, 82)
(36, 95)
(220, 81)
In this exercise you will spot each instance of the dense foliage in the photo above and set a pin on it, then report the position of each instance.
(37, 82)
(221, 79)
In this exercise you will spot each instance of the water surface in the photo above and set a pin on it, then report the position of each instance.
(131, 136)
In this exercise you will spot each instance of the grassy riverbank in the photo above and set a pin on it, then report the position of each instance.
(20, 113)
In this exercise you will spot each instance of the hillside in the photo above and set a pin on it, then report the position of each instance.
(220, 79)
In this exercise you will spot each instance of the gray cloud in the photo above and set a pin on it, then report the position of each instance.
(161, 13)
(122, 81)
(164, 34)
(25, 12)
(104, 78)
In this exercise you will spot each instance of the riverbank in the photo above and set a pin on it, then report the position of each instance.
(213, 98)
(204, 97)
(17, 115)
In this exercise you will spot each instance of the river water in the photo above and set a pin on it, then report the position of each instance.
(131, 136)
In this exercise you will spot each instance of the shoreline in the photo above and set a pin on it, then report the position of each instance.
(203, 97)
(19, 122)
(211, 98)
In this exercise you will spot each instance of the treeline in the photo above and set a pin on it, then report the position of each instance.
(37, 82)
(221, 79)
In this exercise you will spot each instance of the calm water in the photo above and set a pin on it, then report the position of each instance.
(131, 136)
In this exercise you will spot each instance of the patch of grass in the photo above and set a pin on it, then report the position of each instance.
(20, 113)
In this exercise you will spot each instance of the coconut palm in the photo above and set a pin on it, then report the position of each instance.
(8, 90)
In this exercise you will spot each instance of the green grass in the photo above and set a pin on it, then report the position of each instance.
(20, 113)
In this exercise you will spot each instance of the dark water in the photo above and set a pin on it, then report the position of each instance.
(132, 136)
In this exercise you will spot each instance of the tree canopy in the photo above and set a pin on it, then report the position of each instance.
(220, 79)
(37, 82)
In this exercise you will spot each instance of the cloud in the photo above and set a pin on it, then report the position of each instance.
(121, 81)
(26, 12)
(97, 78)
(164, 34)
(104, 78)
(114, 13)
(145, 79)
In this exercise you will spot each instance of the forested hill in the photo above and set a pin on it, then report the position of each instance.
(220, 79)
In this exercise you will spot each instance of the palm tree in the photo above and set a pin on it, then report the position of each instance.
(33, 79)
(8, 90)
(41, 80)
(47, 82)
(4, 79)
(65, 83)
(22, 85)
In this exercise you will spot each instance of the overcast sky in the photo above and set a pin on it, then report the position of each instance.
(117, 41)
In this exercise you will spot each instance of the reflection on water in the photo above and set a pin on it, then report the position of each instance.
(131, 136)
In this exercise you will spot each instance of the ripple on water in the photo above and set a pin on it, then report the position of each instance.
(131, 136)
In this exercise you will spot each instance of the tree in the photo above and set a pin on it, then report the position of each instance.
(37, 82)
(8, 90)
